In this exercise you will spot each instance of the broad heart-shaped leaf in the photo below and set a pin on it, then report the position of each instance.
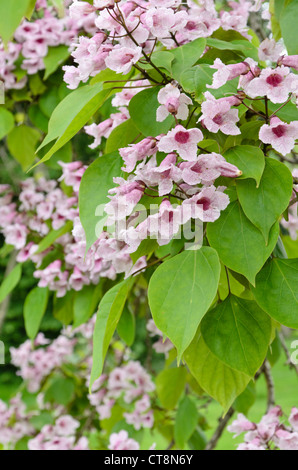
(22, 142)
(186, 421)
(249, 159)
(121, 136)
(6, 122)
(170, 384)
(264, 205)
(11, 14)
(276, 290)
(10, 282)
(94, 187)
(180, 292)
(55, 57)
(142, 110)
(240, 245)
(238, 332)
(187, 55)
(34, 309)
(108, 315)
(71, 115)
(217, 379)
(288, 26)
(195, 79)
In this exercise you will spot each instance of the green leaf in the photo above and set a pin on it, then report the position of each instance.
(6, 122)
(94, 187)
(52, 236)
(11, 14)
(85, 304)
(195, 79)
(180, 292)
(10, 282)
(30, 9)
(121, 136)
(238, 333)
(246, 400)
(240, 245)
(71, 115)
(170, 385)
(61, 391)
(63, 308)
(276, 290)
(34, 309)
(288, 26)
(187, 55)
(249, 159)
(55, 57)
(126, 328)
(108, 316)
(186, 421)
(247, 48)
(218, 380)
(142, 110)
(21, 142)
(265, 204)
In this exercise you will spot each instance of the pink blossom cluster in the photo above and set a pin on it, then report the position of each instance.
(42, 207)
(131, 384)
(14, 422)
(272, 433)
(126, 31)
(32, 41)
(36, 361)
(121, 441)
(60, 436)
(190, 176)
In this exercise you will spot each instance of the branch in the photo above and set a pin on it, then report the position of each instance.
(219, 430)
(270, 385)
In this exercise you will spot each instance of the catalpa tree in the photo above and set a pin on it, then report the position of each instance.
(178, 221)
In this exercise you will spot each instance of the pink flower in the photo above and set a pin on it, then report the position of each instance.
(121, 59)
(280, 135)
(166, 223)
(240, 425)
(184, 141)
(136, 152)
(16, 235)
(287, 440)
(218, 115)
(163, 175)
(289, 61)
(66, 426)
(293, 419)
(227, 72)
(172, 102)
(206, 205)
(276, 84)
(270, 50)
(207, 169)
(162, 20)
(127, 195)
(121, 441)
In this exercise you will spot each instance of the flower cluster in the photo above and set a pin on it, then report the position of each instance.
(270, 434)
(126, 31)
(131, 383)
(128, 386)
(32, 41)
(60, 436)
(42, 207)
